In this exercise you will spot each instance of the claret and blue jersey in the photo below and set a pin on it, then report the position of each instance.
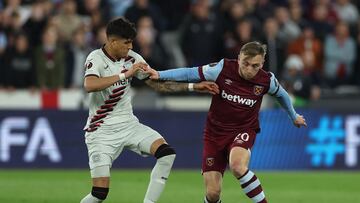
(238, 104)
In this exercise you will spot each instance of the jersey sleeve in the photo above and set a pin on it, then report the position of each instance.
(93, 65)
(274, 85)
(211, 71)
(193, 74)
(139, 74)
(282, 97)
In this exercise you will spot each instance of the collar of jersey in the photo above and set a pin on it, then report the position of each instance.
(108, 55)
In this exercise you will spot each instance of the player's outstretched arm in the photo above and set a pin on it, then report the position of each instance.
(94, 83)
(170, 86)
(178, 74)
(284, 99)
(208, 72)
(300, 121)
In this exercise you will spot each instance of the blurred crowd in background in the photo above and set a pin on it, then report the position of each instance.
(312, 44)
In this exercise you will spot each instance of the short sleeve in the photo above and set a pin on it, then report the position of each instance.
(274, 85)
(139, 74)
(211, 71)
(93, 65)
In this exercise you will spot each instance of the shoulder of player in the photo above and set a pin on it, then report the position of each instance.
(233, 63)
(94, 54)
(97, 56)
(230, 66)
(264, 73)
(230, 61)
(262, 77)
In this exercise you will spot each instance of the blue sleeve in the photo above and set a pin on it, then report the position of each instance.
(282, 97)
(211, 71)
(180, 74)
(208, 72)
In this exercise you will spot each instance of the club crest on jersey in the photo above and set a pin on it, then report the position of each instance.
(88, 65)
(228, 81)
(258, 89)
(210, 161)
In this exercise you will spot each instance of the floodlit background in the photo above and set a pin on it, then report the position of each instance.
(313, 49)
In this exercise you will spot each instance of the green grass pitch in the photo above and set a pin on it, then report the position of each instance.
(184, 186)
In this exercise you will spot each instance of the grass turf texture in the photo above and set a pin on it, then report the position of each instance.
(66, 186)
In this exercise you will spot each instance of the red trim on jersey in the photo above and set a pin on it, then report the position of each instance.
(107, 54)
(90, 129)
(118, 89)
(201, 74)
(128, 58)
(101, 111)
(110, 57)
(109, 101)
(112, 96)
(106, 106)
(91, 75)
(96, 124)
(98, 117)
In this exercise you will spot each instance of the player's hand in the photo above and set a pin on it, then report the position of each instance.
(300, 121)
(135, 68)
(207, 87)
(153, 74)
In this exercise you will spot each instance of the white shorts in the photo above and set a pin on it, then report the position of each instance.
(106, 144)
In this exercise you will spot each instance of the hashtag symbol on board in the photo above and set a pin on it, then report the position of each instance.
(327, 141)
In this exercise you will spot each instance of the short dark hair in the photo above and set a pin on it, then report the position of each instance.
(121, 27)
(253, 48)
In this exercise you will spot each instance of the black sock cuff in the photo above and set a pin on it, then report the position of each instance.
(217, 201)
(164, 150)
(99, 192)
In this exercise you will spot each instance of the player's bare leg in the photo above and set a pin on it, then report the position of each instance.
(165, 158)
(213, 184)
(100, 187)
(239, 161)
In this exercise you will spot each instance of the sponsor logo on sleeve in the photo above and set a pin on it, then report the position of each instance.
(88, 64)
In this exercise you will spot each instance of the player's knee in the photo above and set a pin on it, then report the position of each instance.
(238, 169)
(165, 152)
(213, 194)
(100, 192)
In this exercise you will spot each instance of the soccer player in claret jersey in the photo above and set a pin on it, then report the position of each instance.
(232, 121)
(111, 125)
